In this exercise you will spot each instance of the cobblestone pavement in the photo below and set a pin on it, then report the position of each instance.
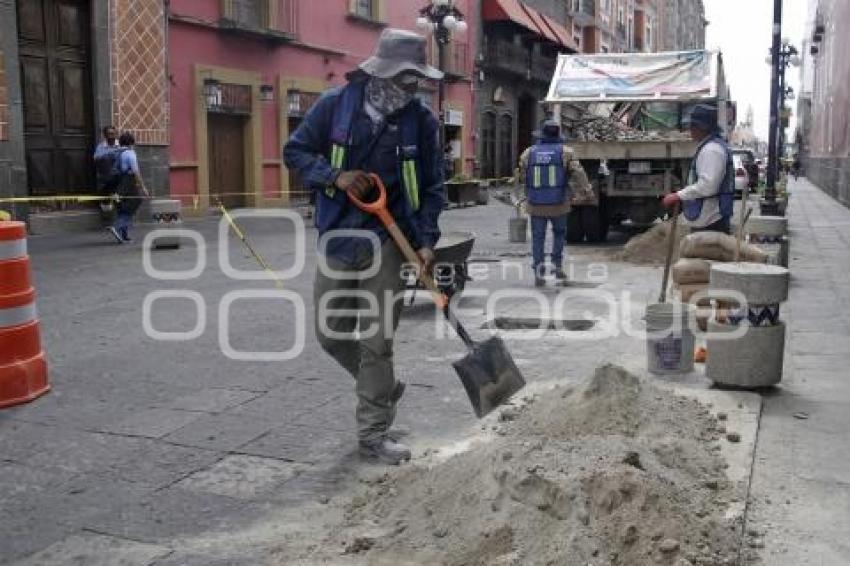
(145, 449)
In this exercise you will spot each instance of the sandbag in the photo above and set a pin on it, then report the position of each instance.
(708, 245)
(691, 270)
(718, 246)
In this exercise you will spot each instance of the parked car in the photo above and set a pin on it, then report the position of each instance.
(740, 158)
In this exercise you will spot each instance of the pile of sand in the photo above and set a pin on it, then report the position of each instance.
(651, 246)
(615, 472)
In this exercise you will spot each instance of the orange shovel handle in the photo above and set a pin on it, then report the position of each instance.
(379, 208)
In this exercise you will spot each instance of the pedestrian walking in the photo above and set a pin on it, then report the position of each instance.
(374, 124)
(106, 156)
(129, 190)
(708, 199)
(752, 175)
(549, 174)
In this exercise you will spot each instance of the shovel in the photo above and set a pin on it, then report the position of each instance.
(671, 245)
(488, 371)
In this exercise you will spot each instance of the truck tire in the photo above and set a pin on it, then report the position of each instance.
(595, 223)
(575, 226)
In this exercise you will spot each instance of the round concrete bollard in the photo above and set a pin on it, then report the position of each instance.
(764, 228)
(753, 360)
(761, 284)
(166, 214)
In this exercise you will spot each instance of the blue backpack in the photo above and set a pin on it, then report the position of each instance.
(546, 174)
(726, 195)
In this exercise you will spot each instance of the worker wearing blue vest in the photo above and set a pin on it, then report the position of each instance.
(708, 199)
(550, 174)
(374, 124)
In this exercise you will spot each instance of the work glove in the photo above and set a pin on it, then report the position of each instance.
(356, 183)
(671, 200)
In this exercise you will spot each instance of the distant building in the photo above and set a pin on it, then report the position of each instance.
(518, 50)
(66, 70)
(825, 136)
(681, 25)
(244, 73)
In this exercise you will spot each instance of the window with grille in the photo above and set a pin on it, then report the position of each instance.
(248, 13)
(366, 9)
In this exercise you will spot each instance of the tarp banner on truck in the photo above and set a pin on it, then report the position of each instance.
(682, 75)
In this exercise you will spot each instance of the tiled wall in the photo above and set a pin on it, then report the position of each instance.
(139, 77)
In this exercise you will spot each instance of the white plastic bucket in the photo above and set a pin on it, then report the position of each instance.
(670, 338)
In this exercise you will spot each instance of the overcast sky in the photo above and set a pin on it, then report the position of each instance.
(742, 29)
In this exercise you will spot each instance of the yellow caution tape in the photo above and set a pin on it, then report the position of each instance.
(58, 198)
(247, 243)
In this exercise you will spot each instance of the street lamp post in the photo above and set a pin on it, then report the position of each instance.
(782, 55)
(441, 18)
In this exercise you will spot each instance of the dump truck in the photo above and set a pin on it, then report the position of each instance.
(624, 115)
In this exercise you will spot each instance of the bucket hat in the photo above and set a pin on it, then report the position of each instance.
(398, 51)
(704, 117)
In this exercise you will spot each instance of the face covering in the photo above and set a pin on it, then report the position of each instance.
(387, 96)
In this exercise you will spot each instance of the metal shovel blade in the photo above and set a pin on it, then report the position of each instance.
(489, 375)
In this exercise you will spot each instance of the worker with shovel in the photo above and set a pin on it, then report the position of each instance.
(707, 202)
(373, 125)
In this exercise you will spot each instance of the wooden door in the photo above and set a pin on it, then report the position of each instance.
(227, 159)
(54, 39)
(526, 122)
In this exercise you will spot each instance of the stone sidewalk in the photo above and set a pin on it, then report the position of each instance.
(800, 496)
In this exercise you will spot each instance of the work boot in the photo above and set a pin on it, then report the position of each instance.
(385, 451)
(397, 432)
(539, 281)
(560, 275)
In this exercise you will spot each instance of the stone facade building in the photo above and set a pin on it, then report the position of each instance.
(70, 67)
(245, 72)
(517, 52)
(825, 136)
(681, 25)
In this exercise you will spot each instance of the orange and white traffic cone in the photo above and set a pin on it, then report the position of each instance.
(23, 365)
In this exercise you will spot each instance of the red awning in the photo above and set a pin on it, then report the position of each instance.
(529, 18)
(508, 10)
(537, 17)
(564, 36)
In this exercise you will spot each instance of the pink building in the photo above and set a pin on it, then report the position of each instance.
(244, 72)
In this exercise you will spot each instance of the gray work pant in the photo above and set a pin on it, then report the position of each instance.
(364, 341)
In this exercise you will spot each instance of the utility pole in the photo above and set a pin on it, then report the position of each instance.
(769, 206)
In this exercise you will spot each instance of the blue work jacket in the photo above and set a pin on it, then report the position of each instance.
(308, 150)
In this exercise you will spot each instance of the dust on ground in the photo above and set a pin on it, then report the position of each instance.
(651, 246)
(613, 472)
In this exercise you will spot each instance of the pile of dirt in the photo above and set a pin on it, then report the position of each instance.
(651, 246)
(614, 472)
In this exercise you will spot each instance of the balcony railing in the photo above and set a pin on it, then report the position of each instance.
(270, 19)
(518, 60)
(583, 12)
(507, 56)
(542, 68)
